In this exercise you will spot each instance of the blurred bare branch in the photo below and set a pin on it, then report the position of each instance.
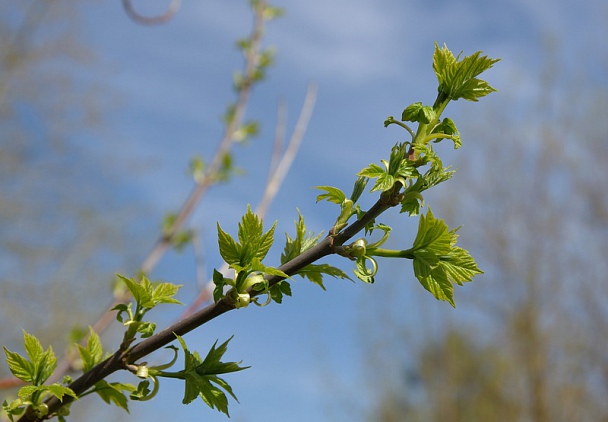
(151, 20)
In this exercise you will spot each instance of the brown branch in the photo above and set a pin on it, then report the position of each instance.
(151, 20)
(120, 359)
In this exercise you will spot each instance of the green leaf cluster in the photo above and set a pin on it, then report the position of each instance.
(263, 59)
(397, 169)
(92, 354)
(438, 262)
(401, 179)
(458, 78)
(348, 207)
(413, 199)
(245, 257)
(147, 295)
(201, 376)
(34, 369)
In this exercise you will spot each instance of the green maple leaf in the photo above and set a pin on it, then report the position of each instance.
(302, 241)
(92, 354)
(114, 392)
(40, 365)
(448, 127)
(148, 294)
(201, 377)
(418, 113)
(278, 290)
(458, 78)
(331, 194)
(253, 242)
(396, 169)
(438, 262)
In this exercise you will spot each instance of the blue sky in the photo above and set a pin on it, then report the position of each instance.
(369, 60)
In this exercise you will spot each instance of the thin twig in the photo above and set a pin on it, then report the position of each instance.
(151, 20)
(276, 176)
(279, 138)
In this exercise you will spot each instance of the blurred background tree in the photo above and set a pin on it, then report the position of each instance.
(57, 215)
(531, 344)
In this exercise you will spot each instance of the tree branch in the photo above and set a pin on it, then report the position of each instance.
(120, 359)
(151, 20)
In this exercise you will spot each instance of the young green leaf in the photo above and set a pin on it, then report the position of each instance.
(385, 180)
(332, 194)
(164, 292)
(397, 169)
(412, 196)
(303, 241)
(433, 278)
(448, 127)
(201, 376)
(230, 250)
(458, 78)
(257, 266)
(114, 392)
(40, 365)
(418, 113)
(362, 272)
(19, 366)
(374, 171)
(315, 272)
(148, 295)
(433, 235)
(92, 354)
(253, 243)
(143, 392)
(438, 262)
(358, 189)
(460, 266)
(59, 391)
(220, 281)
(278, 290)
(146, 328)
(139, 291)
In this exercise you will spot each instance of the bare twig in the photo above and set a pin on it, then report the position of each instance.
(277, 172)
(278, 175)
(151, 20)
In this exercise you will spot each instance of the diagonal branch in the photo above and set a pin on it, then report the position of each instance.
(120, 359)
